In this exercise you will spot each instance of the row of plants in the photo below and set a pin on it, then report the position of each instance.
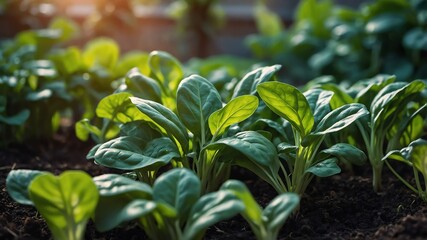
(175, 138)
(383, 36)
(176, 132)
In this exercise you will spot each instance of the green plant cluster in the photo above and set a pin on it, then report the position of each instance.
(382, 36)
(176, 141)
(43, 79)
(175, 132)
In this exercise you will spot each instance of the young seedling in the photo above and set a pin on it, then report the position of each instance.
(172, 209)
(265, 224)
(310, 122)
(65, 202)
(395, 118)
(414, 155)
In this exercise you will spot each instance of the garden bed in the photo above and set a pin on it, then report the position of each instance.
(340, 207)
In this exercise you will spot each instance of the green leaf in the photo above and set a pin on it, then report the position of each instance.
(140, 129)
(279, 209)
(133, 59)
(418, 155)
(110, 185)
(121, 199)
(16, 120)
(340, 97)
(65, 202)
(250, 150)
(197, 99)
(119, 108)
(166, 69)
(83, 129)
(325, 168)
(247, 86)
(17, 183)
(384, 23)
(69, 29)
(253, 211)
(252, 145)
(340, 118)
(289, 103)
(164, 120)
(102, 52)
(416, 39)
(371, 87)
(410, 127)
(319, 103)
(130, 153)
(347, 152)
(398, 155)
(143, 87)
(179, 188)
(68, 61)
(268, 23)
(391, 100)
(237, 110)
(210, 209)
(111, 212)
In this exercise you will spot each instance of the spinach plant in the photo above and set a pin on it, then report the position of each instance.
(186, 139)
(265, 224)
(414, 155)
(311, 120)
(172, 209)
(66, 202)
(395, 117)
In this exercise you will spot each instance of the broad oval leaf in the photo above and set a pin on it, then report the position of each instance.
(391, 99)
(210, 209)
(289, 103)
(118, 107)
(121, 199)
(347, 152)
(179, 188)
(340, 118)
(197, 99)
(252, 145)
(139, 129)
(166, 69)
(237, 110)
(111, 212)
(319, 103)
(142, 86)
(128, 153)
(113, 185)
(164, 120)
(101, 52)
(83, 129)
(279, 209)
(66, 202)
(247, 86)
(325, 168)
(17, 183)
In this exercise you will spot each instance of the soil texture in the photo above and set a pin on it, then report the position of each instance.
(339, 207)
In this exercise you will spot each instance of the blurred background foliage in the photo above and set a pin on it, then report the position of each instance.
(57, 59)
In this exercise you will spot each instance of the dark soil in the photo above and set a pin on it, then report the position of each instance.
(339, 207)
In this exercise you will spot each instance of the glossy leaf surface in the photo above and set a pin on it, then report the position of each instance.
(289, 103)
(237, 110)
(197, 99)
